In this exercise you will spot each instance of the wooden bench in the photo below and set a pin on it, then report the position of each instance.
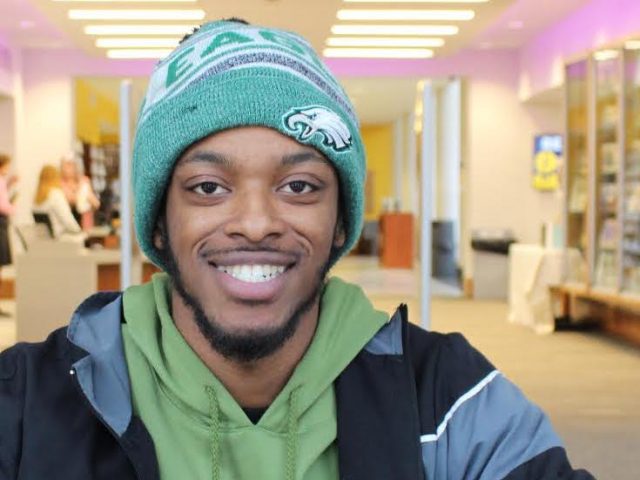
(618, 314)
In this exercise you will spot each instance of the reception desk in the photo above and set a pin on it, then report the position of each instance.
(53, 278)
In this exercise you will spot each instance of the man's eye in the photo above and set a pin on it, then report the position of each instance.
(207, 188)
(298, 187)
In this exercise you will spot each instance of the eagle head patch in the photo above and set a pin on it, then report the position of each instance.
(305, 122)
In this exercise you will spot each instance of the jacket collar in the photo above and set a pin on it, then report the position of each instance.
(102, 374)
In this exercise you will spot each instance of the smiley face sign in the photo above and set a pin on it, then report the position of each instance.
(546, 162)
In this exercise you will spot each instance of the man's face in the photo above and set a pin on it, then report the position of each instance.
(250, 222)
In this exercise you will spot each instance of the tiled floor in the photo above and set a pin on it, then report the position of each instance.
(588, 384)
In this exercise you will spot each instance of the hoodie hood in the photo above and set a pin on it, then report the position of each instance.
(198, 428)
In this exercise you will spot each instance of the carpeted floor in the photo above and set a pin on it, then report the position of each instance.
(587, 383)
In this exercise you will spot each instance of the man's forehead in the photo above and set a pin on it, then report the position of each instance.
(210, 154)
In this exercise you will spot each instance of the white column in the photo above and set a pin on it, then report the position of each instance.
(450, 140)
(126, 239)
(412, 165)
(428, 159)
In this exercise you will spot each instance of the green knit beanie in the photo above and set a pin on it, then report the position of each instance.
(228, 75)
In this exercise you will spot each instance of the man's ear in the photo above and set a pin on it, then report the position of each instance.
(159, 235)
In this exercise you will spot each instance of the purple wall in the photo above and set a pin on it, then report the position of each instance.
(601, 23)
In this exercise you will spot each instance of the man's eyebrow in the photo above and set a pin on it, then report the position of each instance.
(307, 156)
(207, 157)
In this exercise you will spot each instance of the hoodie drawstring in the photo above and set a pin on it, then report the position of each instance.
(292, 435)
(214, 414)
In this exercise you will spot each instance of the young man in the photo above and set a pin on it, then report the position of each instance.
(243, 361)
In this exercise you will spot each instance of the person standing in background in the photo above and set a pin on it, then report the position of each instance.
(6, 209)
(50, 199)
(78, 191)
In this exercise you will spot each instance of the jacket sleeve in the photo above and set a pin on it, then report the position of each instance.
(11, 413)
(487, 429)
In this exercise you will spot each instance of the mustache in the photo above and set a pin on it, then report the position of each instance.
(209, 251)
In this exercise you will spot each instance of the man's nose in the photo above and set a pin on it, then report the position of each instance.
(255, 216)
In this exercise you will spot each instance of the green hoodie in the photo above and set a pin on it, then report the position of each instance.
(200, 431)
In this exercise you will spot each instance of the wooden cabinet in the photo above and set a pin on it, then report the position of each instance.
(397, 240)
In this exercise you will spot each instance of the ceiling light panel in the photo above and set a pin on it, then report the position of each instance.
(138, 29)
(377, 52)
(632, 44)
(384, 42)
(139, 53)
(394, 30)
(415, 15)
(81, 14)
(133, 42)
(604, 55)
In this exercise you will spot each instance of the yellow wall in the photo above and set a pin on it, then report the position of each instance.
(378, 144)
(96, 115)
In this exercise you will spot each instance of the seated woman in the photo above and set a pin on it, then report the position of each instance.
(50, 199)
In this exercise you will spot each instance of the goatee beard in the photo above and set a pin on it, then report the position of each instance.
(252, 344)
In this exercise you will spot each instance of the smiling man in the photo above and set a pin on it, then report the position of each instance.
(242, 361)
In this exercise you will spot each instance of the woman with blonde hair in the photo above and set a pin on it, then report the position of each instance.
(50, 199)
(78, 191)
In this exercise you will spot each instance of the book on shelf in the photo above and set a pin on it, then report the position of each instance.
(579, 195)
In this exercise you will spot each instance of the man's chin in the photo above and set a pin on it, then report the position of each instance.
(247, 343)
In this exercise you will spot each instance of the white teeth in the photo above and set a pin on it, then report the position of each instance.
(253, 273)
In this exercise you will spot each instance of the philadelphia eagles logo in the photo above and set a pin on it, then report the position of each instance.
(307, 121)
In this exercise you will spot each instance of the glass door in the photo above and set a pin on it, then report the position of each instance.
(631, 203)
(607, 170)
(577, 169)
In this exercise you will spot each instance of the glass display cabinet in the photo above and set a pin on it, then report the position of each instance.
(631, 188)
(577, 166)
(608, 178)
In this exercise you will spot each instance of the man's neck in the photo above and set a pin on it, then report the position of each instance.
(254, 384)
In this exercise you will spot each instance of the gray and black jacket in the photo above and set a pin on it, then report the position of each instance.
(412, 405)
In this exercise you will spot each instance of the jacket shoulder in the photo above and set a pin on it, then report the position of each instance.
(19, 366)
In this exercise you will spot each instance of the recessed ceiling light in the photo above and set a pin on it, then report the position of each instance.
(137, 42)
(394, 29)
(632, 44)
(384, 42)
(139, 53)
(196, 14)
(603, 55)
(378, 52)
(417, 15)
(138, 29)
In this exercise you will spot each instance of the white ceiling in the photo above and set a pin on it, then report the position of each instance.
(312, 18)
(43, 24)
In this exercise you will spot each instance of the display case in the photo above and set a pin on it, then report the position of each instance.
(577, 166)
(631, 189)
(608, 183)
